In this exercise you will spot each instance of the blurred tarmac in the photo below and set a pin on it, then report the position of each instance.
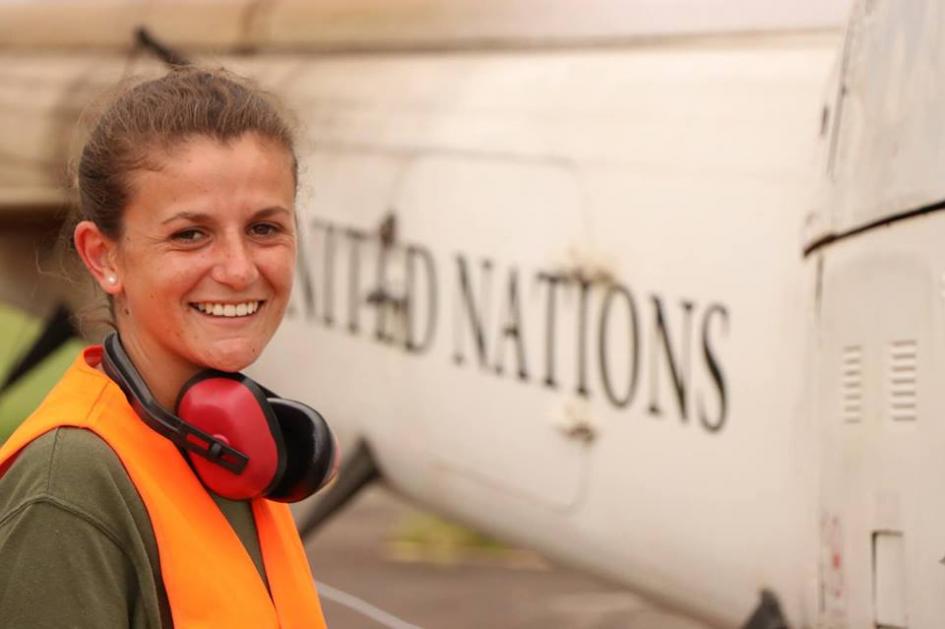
(367, 582)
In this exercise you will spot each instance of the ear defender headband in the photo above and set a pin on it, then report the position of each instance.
(242, 440)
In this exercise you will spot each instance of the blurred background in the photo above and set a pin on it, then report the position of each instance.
(510, 220)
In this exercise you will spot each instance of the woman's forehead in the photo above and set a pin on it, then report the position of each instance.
(188, 153)
(205, 175)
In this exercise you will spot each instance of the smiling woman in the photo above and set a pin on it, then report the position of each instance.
(187, 223)
(208, 235)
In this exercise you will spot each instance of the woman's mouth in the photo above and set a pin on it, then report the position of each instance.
(217, 309)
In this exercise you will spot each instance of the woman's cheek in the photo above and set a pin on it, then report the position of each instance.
(284, 271)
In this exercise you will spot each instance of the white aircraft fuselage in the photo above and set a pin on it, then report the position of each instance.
(665, 303)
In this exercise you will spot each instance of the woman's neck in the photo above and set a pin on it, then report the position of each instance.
(164, 374)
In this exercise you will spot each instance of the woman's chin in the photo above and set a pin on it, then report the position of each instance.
(230, 359)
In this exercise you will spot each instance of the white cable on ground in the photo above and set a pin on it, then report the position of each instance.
(362, 607)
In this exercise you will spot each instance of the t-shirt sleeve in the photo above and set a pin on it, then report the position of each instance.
(58, 568)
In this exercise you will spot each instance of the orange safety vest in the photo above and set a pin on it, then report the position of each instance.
(209, 577)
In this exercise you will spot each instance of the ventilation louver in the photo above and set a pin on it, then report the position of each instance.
(902, 378)
(851, 384)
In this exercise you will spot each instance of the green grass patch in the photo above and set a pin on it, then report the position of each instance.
(17, 332)
(426, 538)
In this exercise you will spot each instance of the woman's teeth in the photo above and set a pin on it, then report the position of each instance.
(228, 310)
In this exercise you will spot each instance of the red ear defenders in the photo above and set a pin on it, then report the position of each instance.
(242, 440)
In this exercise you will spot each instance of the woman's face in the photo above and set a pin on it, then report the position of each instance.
(207, 253)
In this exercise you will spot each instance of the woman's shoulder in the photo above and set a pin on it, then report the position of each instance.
(75, 470)
(71, 520)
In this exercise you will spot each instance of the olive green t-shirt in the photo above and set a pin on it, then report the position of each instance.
(76, 545)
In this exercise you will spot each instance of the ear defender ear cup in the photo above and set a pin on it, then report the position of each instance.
(233, 409)
(311, 459)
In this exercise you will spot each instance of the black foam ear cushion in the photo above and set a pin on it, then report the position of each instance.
(310, 449)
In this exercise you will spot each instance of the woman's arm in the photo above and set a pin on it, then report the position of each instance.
(76, 545)
(58, 568)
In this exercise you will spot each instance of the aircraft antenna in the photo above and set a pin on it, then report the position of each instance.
(165, 53)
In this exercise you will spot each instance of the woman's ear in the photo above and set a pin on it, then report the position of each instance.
(98, 253)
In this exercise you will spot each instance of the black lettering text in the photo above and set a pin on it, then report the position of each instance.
(468, 311)
(355, 240)
(511, 329)
(553, 281)
(633, 349)
(418, 256)
(714, 424)
(678, 364)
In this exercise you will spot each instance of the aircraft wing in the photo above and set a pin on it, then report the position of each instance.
(59, 55)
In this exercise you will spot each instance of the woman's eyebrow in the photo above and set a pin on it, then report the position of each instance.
(186, 215)
(199, 217)
(269, 211)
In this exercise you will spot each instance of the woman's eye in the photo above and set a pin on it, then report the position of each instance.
(264, 229)
(188, 235)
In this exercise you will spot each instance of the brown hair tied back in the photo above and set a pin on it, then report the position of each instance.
(155, 116)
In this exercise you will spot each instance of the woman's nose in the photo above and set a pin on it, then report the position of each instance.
(235, 267)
